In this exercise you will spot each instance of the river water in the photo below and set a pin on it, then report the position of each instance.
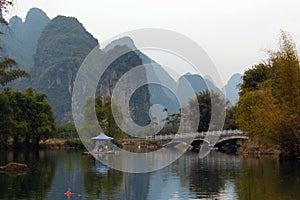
(218, 176)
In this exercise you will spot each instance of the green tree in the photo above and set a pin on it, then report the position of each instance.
(230, 119)
(29, 117)
(203, 103)
(67, 131)
(41, 121)
(9, 71)
(173, 121)
(105, 119)
(6, 121)
(253, 77)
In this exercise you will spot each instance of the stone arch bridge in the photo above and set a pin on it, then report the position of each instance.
(227, 140)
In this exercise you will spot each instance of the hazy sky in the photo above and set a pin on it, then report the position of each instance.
(234, 33)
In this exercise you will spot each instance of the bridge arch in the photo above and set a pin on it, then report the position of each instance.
(234, 137)
(196, 144)
(227, 138)
(227, 144)
(230, 144)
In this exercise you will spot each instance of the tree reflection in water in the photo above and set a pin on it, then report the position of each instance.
(32, 185)
(266, 178)
(101, 182)
(209, 176)
(218, 176)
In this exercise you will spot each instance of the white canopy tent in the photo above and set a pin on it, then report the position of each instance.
(102, 143)
(102, 137)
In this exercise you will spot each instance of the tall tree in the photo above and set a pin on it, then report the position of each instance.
(6, 121)
(269, 105)
(286, 67)
(28, 117)
(203, 103)
(41, 122)
(105, 117)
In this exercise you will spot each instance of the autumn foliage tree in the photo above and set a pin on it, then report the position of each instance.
(269, 105)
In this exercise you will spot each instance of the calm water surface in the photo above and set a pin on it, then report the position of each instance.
(219, 176)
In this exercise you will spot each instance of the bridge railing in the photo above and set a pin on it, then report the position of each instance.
(195, 135)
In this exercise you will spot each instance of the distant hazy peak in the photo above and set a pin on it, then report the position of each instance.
(15, 19)
(231, 88)
(62, 17)
(66, 19)
(235, 77)
(124, 41)
(234, 80)
(208, 77)
(35, 14)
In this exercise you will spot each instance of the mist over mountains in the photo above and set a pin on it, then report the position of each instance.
(20, 38)
(53, 50)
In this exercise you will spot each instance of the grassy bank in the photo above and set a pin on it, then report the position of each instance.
(57, 143)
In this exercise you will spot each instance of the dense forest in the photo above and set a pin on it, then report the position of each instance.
(25, 118)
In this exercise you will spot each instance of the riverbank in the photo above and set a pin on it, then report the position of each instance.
(53, 143)
(256, 148)
(249, 148)
(139, 145)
